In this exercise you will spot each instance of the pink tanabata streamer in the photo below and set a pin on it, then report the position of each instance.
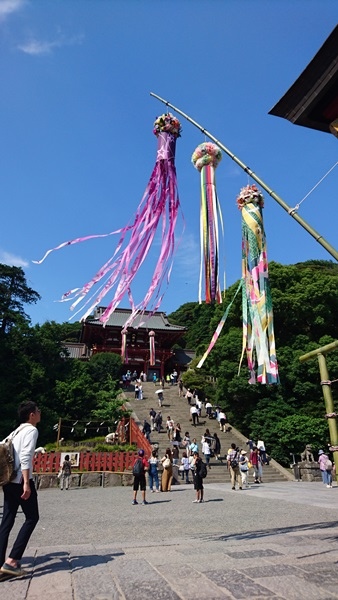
(158, 207)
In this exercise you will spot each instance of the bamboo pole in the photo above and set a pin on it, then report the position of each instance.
(291, 211)
(58, 434)
(321, 350)
(326, 386)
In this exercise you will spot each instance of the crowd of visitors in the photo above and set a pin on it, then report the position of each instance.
(244, 465)
(239, 462)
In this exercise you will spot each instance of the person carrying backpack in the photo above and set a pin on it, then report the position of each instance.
(140, 467)
(20, 491)
(325, 466)
(233, 465)
(66, 471)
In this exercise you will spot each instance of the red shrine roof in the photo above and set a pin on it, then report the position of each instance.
(157, 321)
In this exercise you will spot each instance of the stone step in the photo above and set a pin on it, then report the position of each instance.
(178, 409)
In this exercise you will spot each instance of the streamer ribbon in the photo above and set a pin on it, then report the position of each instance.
(158, 209)
(218, 329)
(258, 330)
(205, 159)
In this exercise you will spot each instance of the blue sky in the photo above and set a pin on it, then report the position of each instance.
(76, 118)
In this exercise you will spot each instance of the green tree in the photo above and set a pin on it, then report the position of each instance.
(195, 380)
(14, 294)
(292, 433)
(14, 336)
(196, 318)
(109, 408)
(105, 370)
(75, 395)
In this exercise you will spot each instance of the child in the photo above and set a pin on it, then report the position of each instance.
(185, 467)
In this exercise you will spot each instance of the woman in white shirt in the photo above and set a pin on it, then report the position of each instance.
(206, 451)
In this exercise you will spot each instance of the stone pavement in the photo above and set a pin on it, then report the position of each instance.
(274, 541)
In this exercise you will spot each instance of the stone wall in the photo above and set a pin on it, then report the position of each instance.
(84, 480)
(104, 479)
(308, 471)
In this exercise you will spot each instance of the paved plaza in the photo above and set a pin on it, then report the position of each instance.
(274, 541)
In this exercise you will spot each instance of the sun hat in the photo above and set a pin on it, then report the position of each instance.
(320, 452)
(243, 452)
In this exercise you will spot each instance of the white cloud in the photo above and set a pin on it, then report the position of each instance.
(6, 258)
(7, 7)
(38, 47)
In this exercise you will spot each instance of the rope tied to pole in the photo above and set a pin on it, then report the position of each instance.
(328, 382)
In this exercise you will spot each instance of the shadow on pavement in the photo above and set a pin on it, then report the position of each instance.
(63, 561)
(261, 533)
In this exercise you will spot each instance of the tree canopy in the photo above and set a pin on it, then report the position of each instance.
(34, 365)
(14, 293)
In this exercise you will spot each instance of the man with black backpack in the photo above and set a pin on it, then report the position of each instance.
(140, 467)
(233, 465)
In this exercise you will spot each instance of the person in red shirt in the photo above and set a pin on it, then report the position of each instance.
(255, 460)
(140, 467)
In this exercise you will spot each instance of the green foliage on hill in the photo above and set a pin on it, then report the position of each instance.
(305, 306)
(34, 366)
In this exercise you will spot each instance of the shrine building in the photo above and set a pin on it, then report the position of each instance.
(145, 346)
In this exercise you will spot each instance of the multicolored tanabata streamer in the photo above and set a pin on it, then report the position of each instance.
(206, 158)
(159, 205)
(258, 332)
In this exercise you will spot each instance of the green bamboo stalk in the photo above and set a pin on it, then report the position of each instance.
(326, 387)
(291, 211)
(322, 350)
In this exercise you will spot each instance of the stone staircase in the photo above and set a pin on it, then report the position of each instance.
(179, 411)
